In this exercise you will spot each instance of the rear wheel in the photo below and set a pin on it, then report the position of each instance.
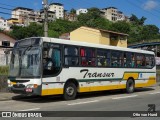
(70, 91)
(130, 86)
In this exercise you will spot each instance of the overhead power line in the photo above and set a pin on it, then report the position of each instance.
(7, 5)
(5, 8)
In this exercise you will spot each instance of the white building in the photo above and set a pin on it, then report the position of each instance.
(51, 16)
(25, 15)
(112, 14)
(4, 24)
(19, 11)
(120, 16)
(79, 11)
(58, 9)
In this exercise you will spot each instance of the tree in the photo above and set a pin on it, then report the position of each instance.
(58, 27)
(134, 19)
(142, 20)
(94, 19)
(33, 30)
(121, 26)
(92, 14)
(150, 32)
(73, 11)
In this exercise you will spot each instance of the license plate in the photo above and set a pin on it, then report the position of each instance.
(28, 89)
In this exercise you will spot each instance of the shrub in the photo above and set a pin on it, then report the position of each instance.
(4, 70)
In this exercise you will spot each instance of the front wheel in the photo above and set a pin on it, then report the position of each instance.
(70, 91)
(130, 86)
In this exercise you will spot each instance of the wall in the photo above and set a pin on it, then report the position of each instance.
(84, 34)
(104, 38)
(120, 43)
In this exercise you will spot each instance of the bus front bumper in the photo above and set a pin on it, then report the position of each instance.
(22, 89)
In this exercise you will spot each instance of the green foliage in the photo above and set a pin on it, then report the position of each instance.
(134, 19)
(121, 26)
(32, 30)
(59, 27)
(4, 70)
(89, 18)
(149, 32)
(73, 11)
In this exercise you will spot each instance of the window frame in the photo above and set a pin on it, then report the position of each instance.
(6, 42)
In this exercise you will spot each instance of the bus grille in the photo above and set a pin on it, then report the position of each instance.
(19, 86)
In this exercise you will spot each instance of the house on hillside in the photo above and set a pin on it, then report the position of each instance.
(6, 43)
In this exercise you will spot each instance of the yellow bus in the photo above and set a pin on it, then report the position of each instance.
(50, 66)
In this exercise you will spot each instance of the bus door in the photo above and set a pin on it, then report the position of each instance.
(51, 66)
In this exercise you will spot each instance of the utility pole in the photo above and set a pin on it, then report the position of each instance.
(45, 7)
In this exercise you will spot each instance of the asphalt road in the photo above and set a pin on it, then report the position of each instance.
(100, 101)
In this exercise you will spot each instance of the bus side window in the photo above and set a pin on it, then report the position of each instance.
(71, 56)
(87, 57)
(83, 59)
(149, 61)
(103, 58)
(140, 58)
(128, 60)
(116, 59)
(90, 56)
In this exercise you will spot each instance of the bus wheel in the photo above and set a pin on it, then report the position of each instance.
(130, 86)
(70, 91)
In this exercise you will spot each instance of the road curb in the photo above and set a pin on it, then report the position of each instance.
(12, 97)
(5, 99)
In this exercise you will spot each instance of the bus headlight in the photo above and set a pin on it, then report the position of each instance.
(32, 86)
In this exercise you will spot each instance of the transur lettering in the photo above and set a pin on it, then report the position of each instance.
(95, 74)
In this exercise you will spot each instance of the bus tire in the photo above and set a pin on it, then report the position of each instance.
(70, 91)
(130, 86)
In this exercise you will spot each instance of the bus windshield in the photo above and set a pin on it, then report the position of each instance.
(25, 62)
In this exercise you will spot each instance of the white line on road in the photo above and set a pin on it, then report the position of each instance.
(124, 97)
(84, 102)
(30, 109)
(154, 93)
